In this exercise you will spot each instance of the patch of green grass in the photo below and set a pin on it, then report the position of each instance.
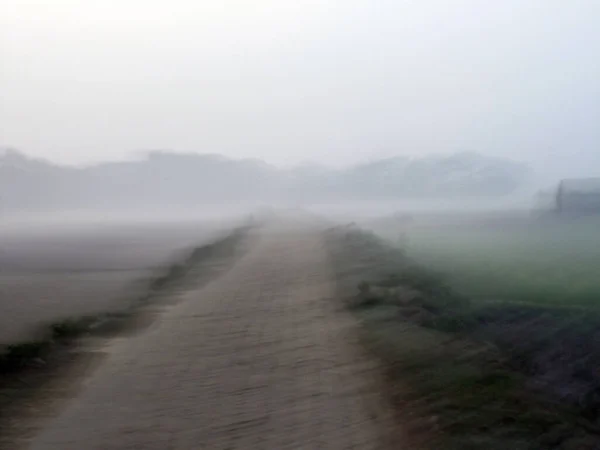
(466, 366)
(546, 264)
(173, 274)
(72, 327)
(17, 356)
(464, 393)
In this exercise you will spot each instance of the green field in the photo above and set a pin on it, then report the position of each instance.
(530, 260)
(489, 348)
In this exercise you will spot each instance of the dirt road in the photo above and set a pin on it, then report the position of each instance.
(260, 358)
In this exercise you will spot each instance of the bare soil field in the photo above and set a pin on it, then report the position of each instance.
(50, 273)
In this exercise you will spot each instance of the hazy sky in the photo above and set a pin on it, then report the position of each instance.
(290, 80)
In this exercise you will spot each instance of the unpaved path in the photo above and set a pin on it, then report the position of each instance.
(258, 359)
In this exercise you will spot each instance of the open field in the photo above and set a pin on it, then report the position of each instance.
(469, 373)
(57, 272)
(515, 258)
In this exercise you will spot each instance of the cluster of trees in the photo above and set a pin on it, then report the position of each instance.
(166, 179)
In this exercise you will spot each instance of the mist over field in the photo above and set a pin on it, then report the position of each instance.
(394, 105)
(224, 201)
(190, 184)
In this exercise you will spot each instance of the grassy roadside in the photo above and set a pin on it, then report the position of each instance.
(24, 356)
(548, 261)
(471, 375)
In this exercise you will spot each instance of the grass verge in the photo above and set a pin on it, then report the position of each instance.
(26, 355)
(471, 375)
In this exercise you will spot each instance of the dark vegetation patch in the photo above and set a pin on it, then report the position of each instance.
(19, 357)
(472, 375)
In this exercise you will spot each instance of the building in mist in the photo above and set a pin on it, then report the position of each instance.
(578, 196)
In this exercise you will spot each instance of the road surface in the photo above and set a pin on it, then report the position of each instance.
(259, 358)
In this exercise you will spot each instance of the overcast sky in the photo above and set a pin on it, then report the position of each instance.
(337, 81)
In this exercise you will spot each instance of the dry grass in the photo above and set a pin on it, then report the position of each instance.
(74, 323)
(53, 275)
(29, 301)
